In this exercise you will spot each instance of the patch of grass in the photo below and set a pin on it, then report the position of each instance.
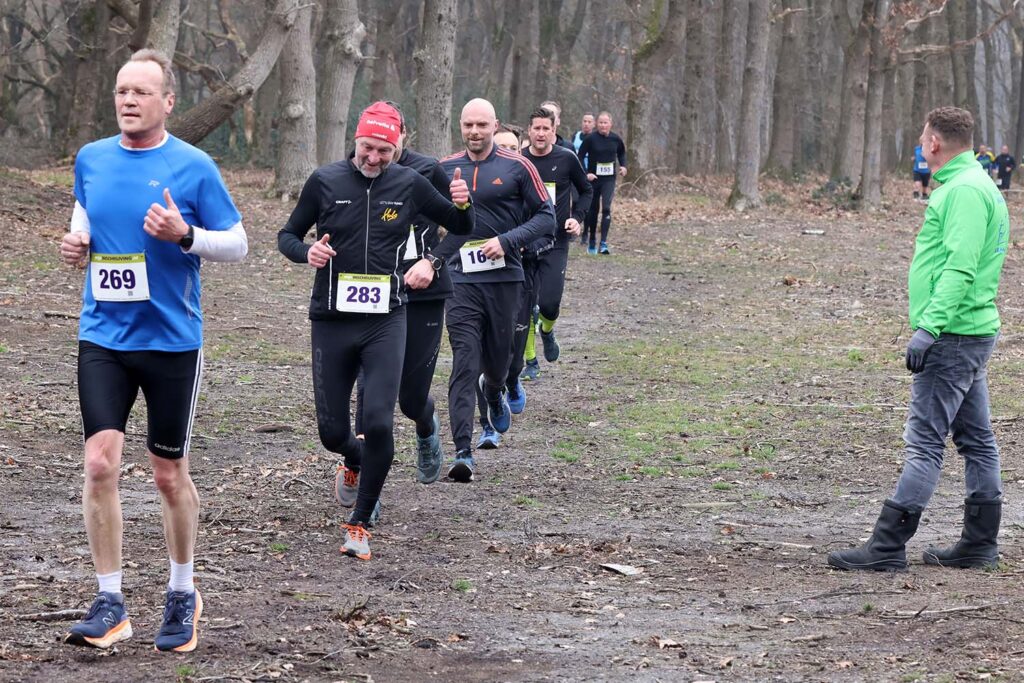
(855, 355)
(690, 472)
(462, 585)
(726, 465)
(526, 501)
(3, 348)
(184, 671)
(756, 495)
(246, 379)
(722, 486)
(912, 676)
(567, 451)
(651, 471)
(867, 608)
(623, 477)
(278, 548)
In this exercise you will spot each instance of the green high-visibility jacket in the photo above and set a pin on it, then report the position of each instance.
(959, 253)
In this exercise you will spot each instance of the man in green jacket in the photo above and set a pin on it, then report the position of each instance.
(953, 282)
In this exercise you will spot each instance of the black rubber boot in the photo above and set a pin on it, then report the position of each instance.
(886, 549)
(977, 546)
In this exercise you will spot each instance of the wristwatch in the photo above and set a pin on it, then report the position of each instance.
(435, 261)
(190, 237)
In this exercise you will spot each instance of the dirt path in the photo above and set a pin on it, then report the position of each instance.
(709, 424)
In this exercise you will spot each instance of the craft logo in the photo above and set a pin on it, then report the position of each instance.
(389, 215)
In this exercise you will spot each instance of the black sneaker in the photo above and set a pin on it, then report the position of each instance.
(463, 468)
(551, 348)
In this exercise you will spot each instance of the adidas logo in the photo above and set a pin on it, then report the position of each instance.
(497, 181)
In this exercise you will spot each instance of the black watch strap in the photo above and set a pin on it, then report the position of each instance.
(190, 236)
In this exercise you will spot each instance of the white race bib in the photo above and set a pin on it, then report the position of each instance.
(359, 293)
(922, 166)
(551, 191)
(474, 260)
(119, 277)
(606, 169)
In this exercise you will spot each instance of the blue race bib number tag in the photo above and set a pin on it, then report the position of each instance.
(118, 277)
(359, 293)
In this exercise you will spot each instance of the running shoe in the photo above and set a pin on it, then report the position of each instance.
(499, 415)
(489, 439)
(463, 467)
(604, 249)
(104, 624)
(531, 371)
(375, 515)
(357, 541)
(591, 249)
(428, 455)
(551, 348)
(517, 398)
(180, 630)
(346, 486)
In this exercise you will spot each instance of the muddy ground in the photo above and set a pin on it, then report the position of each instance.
(727, 410)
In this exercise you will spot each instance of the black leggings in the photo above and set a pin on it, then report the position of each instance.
(550, 280)
(424, 325)
(480, 320)
(524, 314)
(374, 343)
(604, 191)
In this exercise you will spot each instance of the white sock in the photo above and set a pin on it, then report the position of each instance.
(110, 583)
(181, 577)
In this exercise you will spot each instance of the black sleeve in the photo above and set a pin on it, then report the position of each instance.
(538, 205)
(440, 180)
(290, 239)
(620, 152)
(439, 209)
(586, 191)
(584, 150)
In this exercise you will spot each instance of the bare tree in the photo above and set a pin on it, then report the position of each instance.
(789, 79)
(745, 193)
(296, 156)
(343, 33)
(850, 136)
(870, 190)
(435, 71)
(163, 34)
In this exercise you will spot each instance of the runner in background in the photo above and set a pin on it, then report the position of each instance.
(601, 150)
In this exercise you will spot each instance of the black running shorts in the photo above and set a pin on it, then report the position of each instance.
(109, 382)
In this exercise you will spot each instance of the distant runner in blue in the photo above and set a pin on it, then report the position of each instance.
(147, 207)
(922, 174)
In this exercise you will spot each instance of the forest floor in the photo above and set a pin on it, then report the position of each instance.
(727, 410)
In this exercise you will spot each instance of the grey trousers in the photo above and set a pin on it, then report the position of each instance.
(950, 396)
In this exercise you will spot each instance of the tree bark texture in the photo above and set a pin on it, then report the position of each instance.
(850, 137)
(163, 33)
(870, 190)
(745, 192)
(340, 42)
(296, 155)
(435, 70)
(789, 78)
(204, 118)
(732, 51)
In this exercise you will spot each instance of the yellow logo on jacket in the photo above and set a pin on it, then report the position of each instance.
(389, 215)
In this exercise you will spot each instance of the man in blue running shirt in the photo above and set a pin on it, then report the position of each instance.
(147, 207)
(922, 174)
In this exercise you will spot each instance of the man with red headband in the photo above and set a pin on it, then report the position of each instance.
(363, 208)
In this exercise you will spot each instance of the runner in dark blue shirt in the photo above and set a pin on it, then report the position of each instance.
(602, 149)
(1004, 168)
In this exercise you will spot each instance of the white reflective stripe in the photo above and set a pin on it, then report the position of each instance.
(195, 400)
(229, 245)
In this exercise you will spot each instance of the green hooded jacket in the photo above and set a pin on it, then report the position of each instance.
(959, 253)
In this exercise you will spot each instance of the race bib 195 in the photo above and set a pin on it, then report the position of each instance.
(359, 293)
(118, 277)
(474, 260)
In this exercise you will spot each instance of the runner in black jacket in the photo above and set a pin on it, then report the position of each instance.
(513, 210)
(601, 149)
(362, 210)
(564, 177)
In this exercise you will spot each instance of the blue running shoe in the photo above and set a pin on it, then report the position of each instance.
(180, 630)
(104, 624)
(604, 249)
(592, 249)
(463, 467)
(551, 347)
(531, 371)
(517, 398)
(499, 415)
(489, 439)
(428, 455)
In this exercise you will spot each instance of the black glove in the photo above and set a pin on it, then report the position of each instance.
(917, 350)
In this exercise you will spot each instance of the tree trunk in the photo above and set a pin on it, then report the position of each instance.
(730, 82)
(339, 46)
(956, 19)
(850, 138)
(745, 193)
(296, 157)
(789, 80)
(565, 48)
(990, 87)
(163, 33)
(658, 45)
(435, 70)
(205, 117)
(870, 190)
